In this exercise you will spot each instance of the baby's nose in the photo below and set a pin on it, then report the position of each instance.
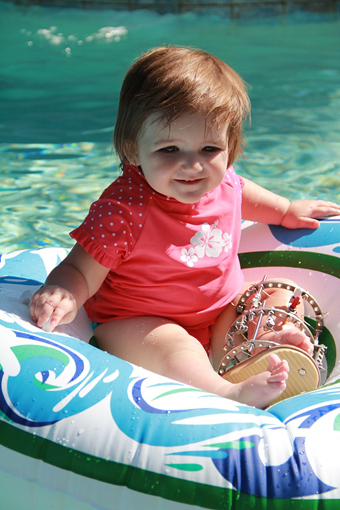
(192, 163)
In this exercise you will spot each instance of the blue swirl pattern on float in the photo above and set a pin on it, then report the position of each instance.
(308, 238)
(287, 480)
(63, 377)
(53, 373)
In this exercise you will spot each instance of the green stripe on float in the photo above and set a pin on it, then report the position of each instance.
(327, 339)
(300, 259)
(153, 484)
(179, 390)
(114, 473)
(186, 467)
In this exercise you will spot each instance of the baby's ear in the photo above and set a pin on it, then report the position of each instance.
(131, 153)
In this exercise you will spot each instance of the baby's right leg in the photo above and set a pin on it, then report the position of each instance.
(166, 348)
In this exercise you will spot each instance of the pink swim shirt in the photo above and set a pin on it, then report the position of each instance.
(167, 259)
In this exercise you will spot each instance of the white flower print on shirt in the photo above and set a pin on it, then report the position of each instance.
(228, 242)
(189, 256)
(208, 242)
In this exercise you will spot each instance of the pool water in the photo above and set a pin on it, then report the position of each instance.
(61, 73)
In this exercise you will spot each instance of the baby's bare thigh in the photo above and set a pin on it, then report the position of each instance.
(141, 340)
(219, 330)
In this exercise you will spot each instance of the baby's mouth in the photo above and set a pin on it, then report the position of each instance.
(189, 181)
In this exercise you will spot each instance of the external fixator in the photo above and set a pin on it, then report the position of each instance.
(253, 313)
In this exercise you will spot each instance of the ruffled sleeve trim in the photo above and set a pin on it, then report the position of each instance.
(90, 245)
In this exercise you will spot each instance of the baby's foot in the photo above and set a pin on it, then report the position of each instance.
(290, 335)
(261, 389)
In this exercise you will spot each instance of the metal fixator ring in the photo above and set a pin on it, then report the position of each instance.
(245, 350)
(254, 310)
(306, 296)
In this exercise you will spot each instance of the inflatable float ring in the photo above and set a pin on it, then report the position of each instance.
(83, 430)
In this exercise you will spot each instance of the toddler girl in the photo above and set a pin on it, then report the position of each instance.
(155, 263)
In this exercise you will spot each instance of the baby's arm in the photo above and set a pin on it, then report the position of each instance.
(259, 204)
(67, 288)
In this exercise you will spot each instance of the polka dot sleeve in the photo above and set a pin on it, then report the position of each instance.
(114, 223)
(234, 180)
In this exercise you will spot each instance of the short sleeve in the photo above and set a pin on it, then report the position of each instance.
(104, 233)
(114, 223)
(234, 180)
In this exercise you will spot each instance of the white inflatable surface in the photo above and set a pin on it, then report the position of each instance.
(81, 429)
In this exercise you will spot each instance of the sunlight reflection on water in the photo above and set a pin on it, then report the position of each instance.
(62, 79)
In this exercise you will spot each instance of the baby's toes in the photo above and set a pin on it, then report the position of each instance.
(279, 373)
(274, 361)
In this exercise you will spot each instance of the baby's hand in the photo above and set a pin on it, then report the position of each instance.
(291, 335)
(52, 305)
(303, 213)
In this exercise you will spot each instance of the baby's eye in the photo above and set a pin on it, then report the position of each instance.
(169, 149)
(210, 148)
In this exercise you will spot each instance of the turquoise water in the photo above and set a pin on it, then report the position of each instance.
(61, 71)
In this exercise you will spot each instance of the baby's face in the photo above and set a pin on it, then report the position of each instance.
(183, 160)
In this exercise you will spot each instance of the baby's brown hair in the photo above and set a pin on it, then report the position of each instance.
(173, 81)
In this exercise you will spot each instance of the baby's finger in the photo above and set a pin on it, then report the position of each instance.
(323, 209)
(37, 304)
(64, 309)
(307, 346)
(294, 336)
(43, 313)
(43, 304)
(48, 326)
(304, 344)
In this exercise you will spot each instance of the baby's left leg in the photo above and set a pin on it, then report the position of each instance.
(282, 333)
